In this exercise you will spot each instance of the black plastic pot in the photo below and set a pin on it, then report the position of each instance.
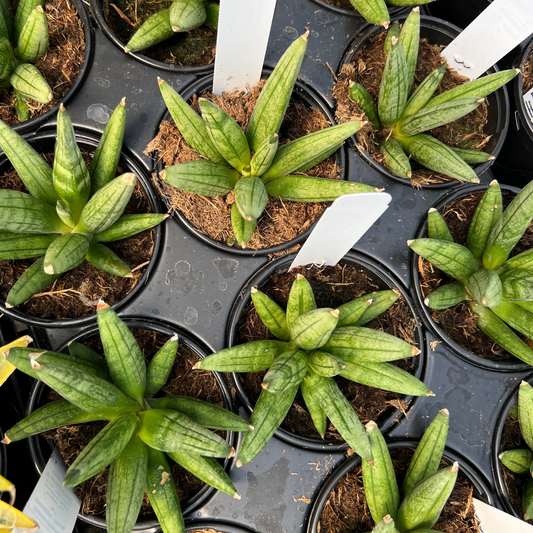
(497, 468)
(481, 488)
(37, 397)
(394, 11)
(97, 7)
(380, 277)
(34, 123)
(459, 12)
(510, 364)
(440, 32)
(219, 526)
(309, 97)
(44, 143)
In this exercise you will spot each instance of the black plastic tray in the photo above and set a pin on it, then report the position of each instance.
(194, 285)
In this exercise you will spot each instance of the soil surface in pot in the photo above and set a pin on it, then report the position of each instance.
(346, 510)
(511, 439)
(281, 220)
(332, 287)
(71, 440)
(367, 67)
(76, 293)
(458, 322)
(193, 48)
(527, 74)
(62, 62)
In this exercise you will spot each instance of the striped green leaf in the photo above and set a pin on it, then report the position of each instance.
(24, 245)
(186, 15)
(160, 366)
(301, 299)
(153, 30)
(313, 404)
(105, 259)
(129, 225)
(242, 228)
(287, 371)
(29, 82)
(271, 314)
(410, 39)
(424, 91)
(33, 38)
(66, 253)
(24, 9)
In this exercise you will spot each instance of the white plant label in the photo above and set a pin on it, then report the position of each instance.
(528, 104)
(242, 38)
(493, 520)
(495, 32)
(343, 223)
(53, 506)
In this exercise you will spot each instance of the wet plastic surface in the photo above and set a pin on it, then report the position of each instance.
(194, 285)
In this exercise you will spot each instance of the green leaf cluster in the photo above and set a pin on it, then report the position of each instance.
(141, 428)
(23, 41)
(404, 115)
(314, 346)
(183, 15)
(71, 211)
(229, 164)
(376, 11)
(417, 505)
(497, 288)
(520, 460)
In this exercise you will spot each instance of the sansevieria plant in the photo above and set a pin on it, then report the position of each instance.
(497, 288)
(29, 30)
(272, 170)
(376, 11)
(141, 428)
(520, 460)
(11, 519)
(416, 505)
(182, 15)
(314, 346)
(402, 116)
(71, 211)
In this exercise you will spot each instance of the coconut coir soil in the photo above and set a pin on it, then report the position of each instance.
(527, 74)
(193, 48)
(511, 439)
(332, 287)
(183, 381)
(282, 220)
(62, 62)
(76, 293)
(459, 322)
(367, 68)
(346, 510)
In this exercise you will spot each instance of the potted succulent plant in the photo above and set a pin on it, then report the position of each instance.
(71, 210)
(228, 169)
(123, 391)
(484, 274)
(309, 347)
(403, 104)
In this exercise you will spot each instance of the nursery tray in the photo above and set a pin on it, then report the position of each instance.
(193, 285)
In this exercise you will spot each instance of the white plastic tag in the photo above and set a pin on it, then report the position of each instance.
(343, 223)
(53, 506)
(493, 520)
(496, 31)
(528, 104)
(242, 38)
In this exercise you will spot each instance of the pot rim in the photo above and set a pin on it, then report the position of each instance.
(34, 123)
(510, 365)
(281, 264)
(312, 98)
(500, 97)
(495, 463)
(394, 11)
(188, 339)
(465, 467)
(130, 162)
(97, 9)
(220, 526)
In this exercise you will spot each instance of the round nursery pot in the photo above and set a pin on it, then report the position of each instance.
(468, 472)
(302, 94)
(504, 363)
(442, 33)
(100, 8)
(51, 109)
(507, 436)
(371, 275)
(215, 526)
(459, 12)
(44, 143)
(40, 450)
(344, 7)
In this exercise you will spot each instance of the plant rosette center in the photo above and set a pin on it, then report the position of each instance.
(313, 346)
(426, 123)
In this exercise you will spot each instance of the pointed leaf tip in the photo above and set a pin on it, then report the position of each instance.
(414, 351)
(444, 412)
(501, 455)
(494, 182)
(123, 101)
(160, 81)
(410, 242)
(474, 180)
(395, 41)
(431, 393)
(128, 179)
(455, 467)
(174, 337)
(231, 453)
(299, 276)
(40, 9)
(6, 440)
(305, 36)
(431, 210)
(253, 290)
(416, 9)
(61, 107)
(238, 463)
(101, 305)
(49, 269)
(335, 313)
(371, 425)
(524, 384)
(9, 306)
(237, 496)
(197, 365)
